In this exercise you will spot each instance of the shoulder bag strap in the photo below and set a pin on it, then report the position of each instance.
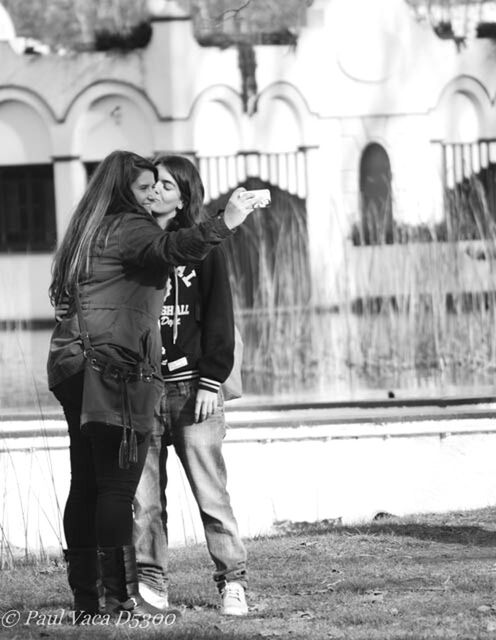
(83, 329)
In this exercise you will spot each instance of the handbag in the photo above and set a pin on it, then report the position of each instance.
(232, 388)
(121, 388)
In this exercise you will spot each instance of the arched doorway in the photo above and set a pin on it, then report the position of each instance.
(376, 196)
(268, 254)
(270, 281)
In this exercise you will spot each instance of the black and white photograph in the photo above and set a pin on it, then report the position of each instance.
(248, 319)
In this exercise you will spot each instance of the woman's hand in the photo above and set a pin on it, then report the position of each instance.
(61, 311)
(205, 405)
(240, 205)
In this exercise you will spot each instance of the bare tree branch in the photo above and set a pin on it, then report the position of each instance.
(235, 12)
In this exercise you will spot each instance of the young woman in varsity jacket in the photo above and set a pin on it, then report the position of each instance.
(197, 328)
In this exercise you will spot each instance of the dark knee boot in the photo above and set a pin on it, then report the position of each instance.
(120, 583)
(83, 573)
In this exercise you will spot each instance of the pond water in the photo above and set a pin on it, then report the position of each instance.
(332, 374)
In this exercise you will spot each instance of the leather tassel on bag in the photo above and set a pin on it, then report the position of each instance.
(124, 448)
(133, 447)
(124, 451)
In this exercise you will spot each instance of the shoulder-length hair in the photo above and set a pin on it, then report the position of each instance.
(108, 193)
(190, 186)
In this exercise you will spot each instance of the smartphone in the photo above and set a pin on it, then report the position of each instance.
(262, 197)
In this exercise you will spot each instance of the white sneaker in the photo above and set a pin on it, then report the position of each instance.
(158, 599)
(233, 600)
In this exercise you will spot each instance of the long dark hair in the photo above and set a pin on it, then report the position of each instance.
(108, 193)
(191, 189)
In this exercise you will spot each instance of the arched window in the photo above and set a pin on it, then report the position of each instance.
(376, 196)
(27, 196)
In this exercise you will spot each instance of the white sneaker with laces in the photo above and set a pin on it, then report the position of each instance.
(156, 598)
(233, 600)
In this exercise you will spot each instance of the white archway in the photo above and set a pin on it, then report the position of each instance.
(27, 207)
(278, 127)
(283, 118)
(462, 117)
(113, 122)
(24, 134)
(216, 122)
(109, 116)
(463, 112)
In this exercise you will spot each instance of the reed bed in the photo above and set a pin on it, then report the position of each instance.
(416, 312)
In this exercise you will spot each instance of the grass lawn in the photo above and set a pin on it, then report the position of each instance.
(422, 577)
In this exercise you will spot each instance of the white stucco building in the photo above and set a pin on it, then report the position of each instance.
(366, 82)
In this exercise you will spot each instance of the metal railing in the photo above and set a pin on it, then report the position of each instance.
(287, 170)
(465, 161)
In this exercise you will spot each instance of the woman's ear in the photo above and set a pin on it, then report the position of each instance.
(180, 205)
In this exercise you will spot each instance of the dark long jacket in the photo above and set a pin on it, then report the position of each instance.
(122, 298)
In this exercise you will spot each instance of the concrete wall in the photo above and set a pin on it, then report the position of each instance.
(350, 471)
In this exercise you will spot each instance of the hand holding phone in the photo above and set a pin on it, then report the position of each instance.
(262, 197)
(242, 203)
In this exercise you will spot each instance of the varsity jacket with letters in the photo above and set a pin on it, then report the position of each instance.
(197, 323)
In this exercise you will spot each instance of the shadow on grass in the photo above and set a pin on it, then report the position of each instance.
(472, 535)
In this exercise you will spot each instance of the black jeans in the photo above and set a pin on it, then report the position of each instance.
(99, 509)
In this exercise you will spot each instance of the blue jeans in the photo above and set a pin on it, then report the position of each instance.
(199, 447)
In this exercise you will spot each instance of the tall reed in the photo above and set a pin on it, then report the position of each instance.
(270, 280)
(420, 309)
(428, 305)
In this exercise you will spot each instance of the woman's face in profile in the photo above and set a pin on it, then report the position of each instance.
(143, 189)
(168, 194)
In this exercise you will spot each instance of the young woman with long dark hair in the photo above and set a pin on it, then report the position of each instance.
(197, 327)
(113, 259)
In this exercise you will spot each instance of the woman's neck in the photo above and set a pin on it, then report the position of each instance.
(164, 219)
